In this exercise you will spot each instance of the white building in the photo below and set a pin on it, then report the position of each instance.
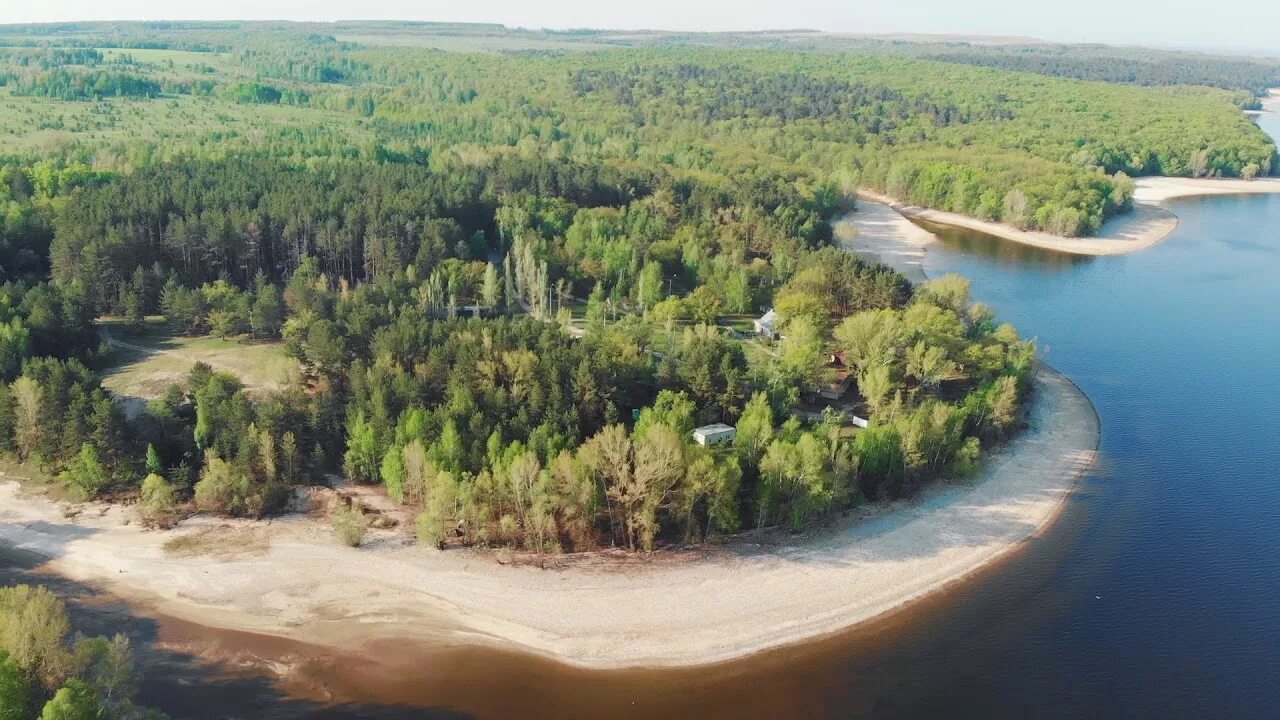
(767, 325)
(714, 434)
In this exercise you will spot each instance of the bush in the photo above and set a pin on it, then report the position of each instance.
(156, 505)
(227, 490)
(349, 524)
(221, 488)
(86, 476)
(76, 700)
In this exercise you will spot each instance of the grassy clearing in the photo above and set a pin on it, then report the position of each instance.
(37, 124)
(147, 364)
(158, 55)
(32, 478)
(219, 543)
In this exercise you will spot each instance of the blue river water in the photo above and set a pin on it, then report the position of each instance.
(1159, 597)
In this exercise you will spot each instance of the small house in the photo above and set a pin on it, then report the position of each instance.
(767, 325)
(714, 434)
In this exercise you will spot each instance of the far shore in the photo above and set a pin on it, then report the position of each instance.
(1271, 103)
(1146, 225)
(288, 576)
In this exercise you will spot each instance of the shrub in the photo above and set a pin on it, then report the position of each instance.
(349, 524)
(86, 476)
(156, 505)
(221, 488)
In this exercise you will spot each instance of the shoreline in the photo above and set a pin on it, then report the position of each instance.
(289, 577)
(1148, 224)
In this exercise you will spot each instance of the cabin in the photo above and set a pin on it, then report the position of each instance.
(767, 325)
(714, 434)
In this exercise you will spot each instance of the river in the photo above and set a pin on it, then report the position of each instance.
(1153, 596)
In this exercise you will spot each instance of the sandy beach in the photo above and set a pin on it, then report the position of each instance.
(1271, 103)
(289, 576)
(878, 232)
(1147, 224)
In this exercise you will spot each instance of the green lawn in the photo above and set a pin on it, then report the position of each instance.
(147, 364)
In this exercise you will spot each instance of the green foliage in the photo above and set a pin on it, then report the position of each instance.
(361, 459)
(33, 631)
(799, 480)
(15, 692)
(801, 353)
(156, 503)
(154, 466)
(86, 475)
(106, 665)
(91, 678)
(1138, 66)
(670, 409)
(708, 369)
(441, 493)
(349, 524)
(76, 700)
(392, 473)
(252, 92)
(89, 85)
(221, 489)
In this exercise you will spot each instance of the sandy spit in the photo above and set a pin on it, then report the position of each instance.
(878, 232)
(1147, 224)
(289, 576)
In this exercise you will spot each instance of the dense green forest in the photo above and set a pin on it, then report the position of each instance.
(429, 310)
(891, 117)
(1134, 66)
(516, 281)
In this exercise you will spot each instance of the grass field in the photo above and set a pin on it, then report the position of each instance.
(43, 124)
(158, 56)
(147, 364)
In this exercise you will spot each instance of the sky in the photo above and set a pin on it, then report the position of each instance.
(1241, 25)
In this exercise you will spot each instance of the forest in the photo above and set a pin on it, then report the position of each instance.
(429, 311)
(1132, 66)
(515, 282)
(933, 124)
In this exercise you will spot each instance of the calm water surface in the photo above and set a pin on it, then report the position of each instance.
(1156, 595)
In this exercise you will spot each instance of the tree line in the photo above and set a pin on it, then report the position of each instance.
(1042, 153)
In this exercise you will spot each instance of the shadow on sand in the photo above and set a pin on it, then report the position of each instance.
(223, 679)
